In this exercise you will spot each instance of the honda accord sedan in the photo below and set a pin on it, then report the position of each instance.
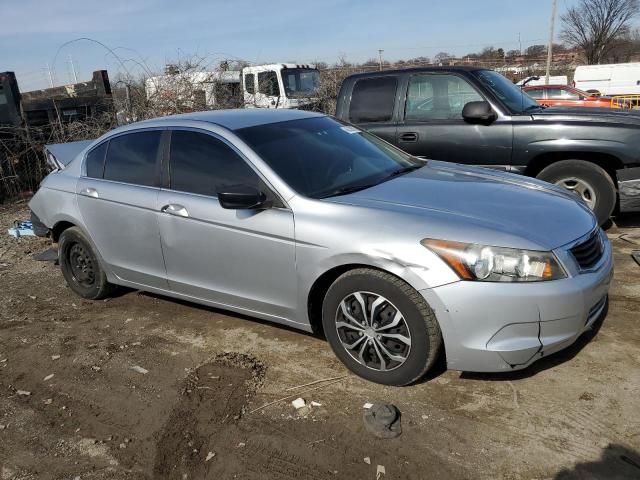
(303, 220)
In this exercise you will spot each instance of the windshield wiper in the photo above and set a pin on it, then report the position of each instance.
(402, 171)
(346, 190)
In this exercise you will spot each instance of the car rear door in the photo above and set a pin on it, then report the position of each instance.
(432, 126)
(238, 258)
(372, 105)
(117, 196)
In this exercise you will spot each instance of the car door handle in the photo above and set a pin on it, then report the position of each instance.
(89, 192)
(175, 209)
(409, 137)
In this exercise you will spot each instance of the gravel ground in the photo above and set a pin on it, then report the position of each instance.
(141, 387)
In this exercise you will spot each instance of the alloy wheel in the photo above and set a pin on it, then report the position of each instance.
(373, 331)
(580, 188)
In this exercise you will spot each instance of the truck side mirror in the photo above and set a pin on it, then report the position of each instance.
(478, 112)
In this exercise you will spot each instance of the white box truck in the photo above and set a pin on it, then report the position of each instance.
(611, 79)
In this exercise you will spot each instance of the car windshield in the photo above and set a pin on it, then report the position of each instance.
(322, 157)
(300, 82)
(511, 95)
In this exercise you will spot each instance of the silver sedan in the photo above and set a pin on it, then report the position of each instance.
(298, 218)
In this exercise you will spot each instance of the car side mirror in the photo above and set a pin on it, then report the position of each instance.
(478, 112)
(243, 197)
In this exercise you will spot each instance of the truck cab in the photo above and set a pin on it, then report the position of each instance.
(280, 85)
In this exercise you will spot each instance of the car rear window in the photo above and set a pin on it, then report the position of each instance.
(132, 158)
(372, 99)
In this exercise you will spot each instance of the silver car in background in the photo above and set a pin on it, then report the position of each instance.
(298, 218)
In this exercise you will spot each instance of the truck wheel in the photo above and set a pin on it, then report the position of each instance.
(587, 181)
(380, 327)
(80, 266)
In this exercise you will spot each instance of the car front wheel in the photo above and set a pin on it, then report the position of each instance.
(380, 327)
(588, 181)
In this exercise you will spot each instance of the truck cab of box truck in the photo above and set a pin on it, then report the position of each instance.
(280, 85)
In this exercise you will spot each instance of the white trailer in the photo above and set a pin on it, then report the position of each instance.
(197, 89)
(611, 79)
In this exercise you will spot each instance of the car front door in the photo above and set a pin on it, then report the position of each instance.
(372, 105)
(238, 258)
(117, 195)
(432, 125)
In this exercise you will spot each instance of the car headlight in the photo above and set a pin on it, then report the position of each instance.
(496, 264)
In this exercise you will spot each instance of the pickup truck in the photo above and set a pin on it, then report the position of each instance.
(476, 116)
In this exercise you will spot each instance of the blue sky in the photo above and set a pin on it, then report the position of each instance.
(155, 32)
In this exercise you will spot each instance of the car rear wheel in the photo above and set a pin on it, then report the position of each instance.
(80, 266)
(587, 181)
(380, 327)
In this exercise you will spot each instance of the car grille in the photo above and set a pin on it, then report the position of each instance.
(589, 252)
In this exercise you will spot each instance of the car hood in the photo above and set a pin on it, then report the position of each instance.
(590, 114)
(479, 205)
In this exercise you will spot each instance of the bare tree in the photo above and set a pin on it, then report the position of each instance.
(595, 26)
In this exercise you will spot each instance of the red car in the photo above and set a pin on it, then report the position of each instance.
(566, 96)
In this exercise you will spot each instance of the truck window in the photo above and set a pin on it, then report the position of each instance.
(438, 97)
(562, 93)
(268, 83)
(535, 93)
(249, 83)
(372, 99)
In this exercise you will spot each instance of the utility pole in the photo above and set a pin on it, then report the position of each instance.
(73, 70)
(550, 47)
(380, 57)
(50, 76)
(519, 44)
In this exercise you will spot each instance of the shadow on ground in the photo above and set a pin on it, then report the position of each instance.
(616, 463)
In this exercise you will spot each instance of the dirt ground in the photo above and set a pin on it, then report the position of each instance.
(142, 387)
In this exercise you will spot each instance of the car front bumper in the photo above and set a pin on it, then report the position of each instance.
(492, 327)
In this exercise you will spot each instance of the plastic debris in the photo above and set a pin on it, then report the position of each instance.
(316, 404)
(48, 377)
(298, 403)
(367, 460)
(22, 229)
(380, 472)
(55, 357)
(23, 393)
(139, 369)
(367, 405)
(210, 455)
(48, 401)
(383, 420)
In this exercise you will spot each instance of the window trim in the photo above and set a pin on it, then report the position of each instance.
(399, 84)
(158, 162)
(403, 119)
(277, 198)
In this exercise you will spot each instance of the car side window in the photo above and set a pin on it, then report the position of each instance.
(94, 163)
(438, 97)
(133, 158)
(200, 163)
(268, 83)
(372, 99)
(249, 83)
(562, 93)
(536, 93)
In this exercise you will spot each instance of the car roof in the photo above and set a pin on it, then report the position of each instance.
(237, 118)
(434, 68)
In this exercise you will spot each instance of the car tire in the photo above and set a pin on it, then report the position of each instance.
(80, 266)
(386, 295)
(588, 180)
